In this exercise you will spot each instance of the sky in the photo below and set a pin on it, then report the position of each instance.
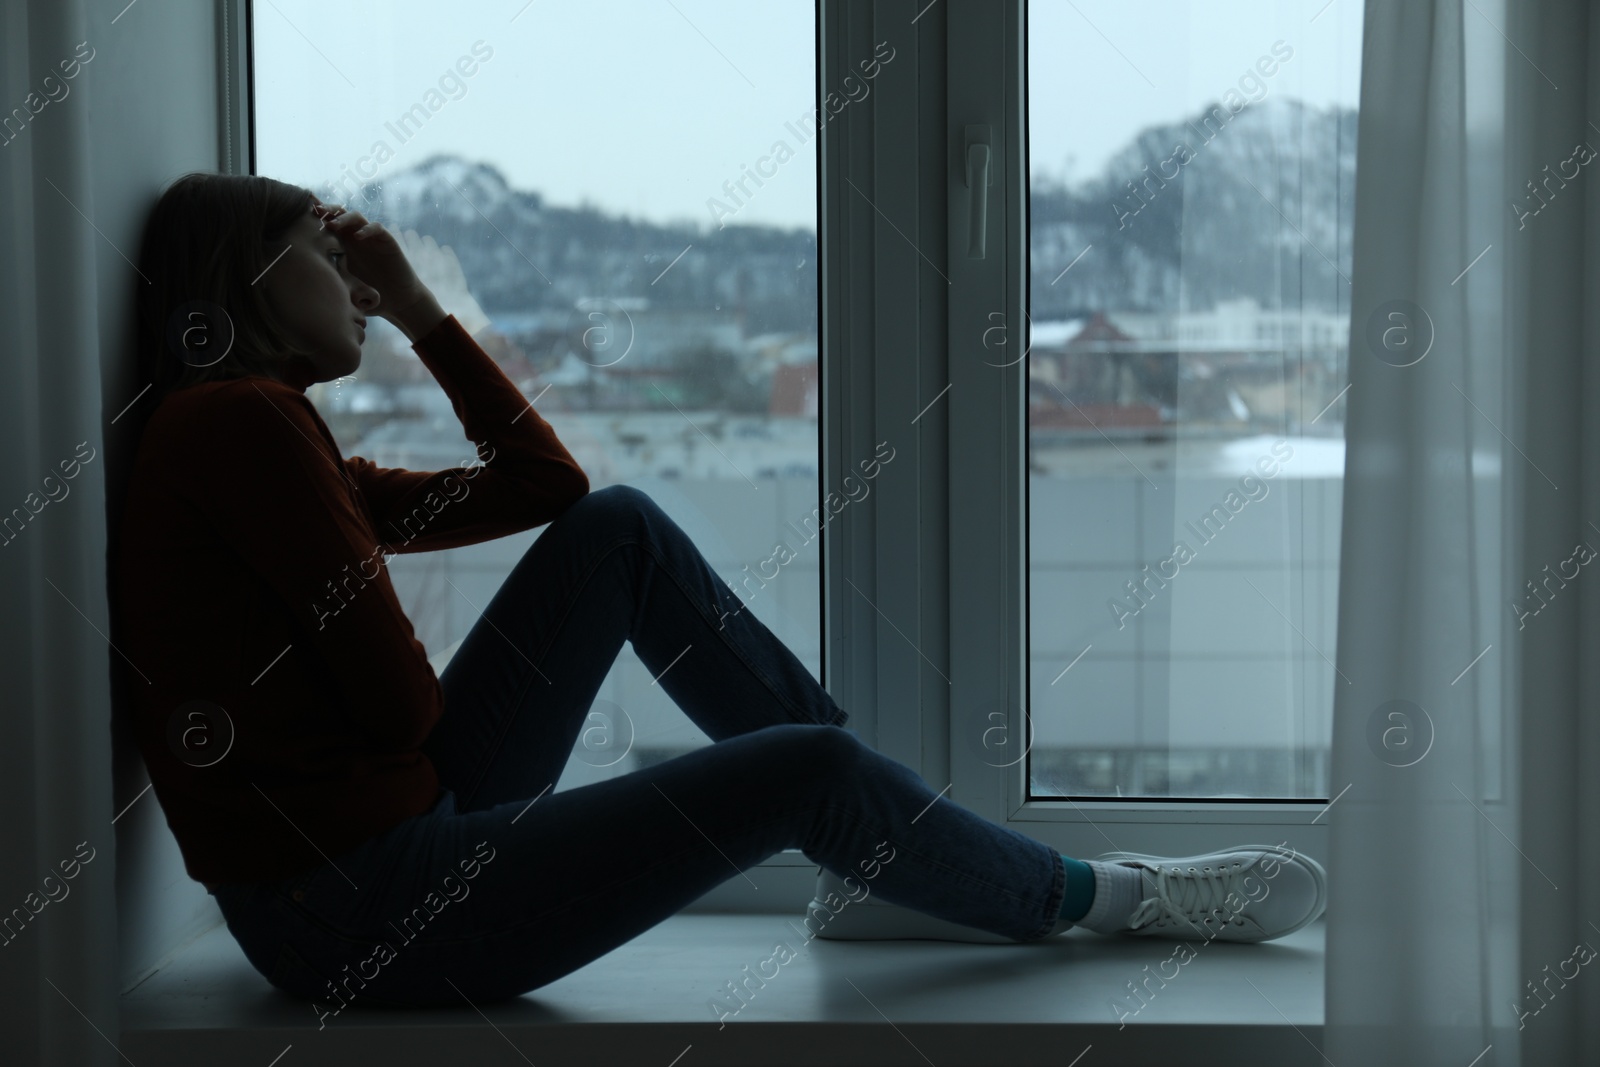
(646, 108)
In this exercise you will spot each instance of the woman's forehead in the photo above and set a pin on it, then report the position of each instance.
(310, 227)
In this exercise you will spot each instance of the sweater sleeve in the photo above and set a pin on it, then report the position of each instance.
(526, 479)
(267, 478)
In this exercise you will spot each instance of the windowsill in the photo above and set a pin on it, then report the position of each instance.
(832, 1003)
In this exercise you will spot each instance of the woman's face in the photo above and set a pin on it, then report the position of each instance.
(319, 300)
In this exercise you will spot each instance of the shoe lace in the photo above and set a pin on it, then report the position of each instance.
(1189, 895)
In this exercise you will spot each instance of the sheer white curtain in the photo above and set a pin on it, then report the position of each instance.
(1465, 888)
(58, 967)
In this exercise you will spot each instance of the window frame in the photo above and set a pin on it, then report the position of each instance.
(911, 648)
(791, 876)
(903, 327)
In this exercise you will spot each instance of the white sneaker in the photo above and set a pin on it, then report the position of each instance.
(854, 917)
(1243, 893)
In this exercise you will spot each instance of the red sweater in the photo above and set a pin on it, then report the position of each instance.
(248, 573)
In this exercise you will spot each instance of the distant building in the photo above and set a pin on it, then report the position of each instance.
(1241, 365)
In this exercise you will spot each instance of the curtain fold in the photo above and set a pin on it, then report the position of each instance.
(1463, 903)
(58, 964)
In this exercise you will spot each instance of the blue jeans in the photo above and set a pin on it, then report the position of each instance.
(506, 885)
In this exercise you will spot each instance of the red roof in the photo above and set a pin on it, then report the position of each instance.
(1097, 330)
(794, 389)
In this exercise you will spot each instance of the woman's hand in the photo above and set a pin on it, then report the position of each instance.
(377, 259)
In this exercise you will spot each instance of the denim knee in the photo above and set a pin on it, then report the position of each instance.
(826, 751)
(617, 503)
(614, 497)
(615, 506)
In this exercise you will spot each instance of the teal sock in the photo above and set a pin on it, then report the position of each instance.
(1079, 897)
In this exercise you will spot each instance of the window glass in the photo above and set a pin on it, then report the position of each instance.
(618, 201)
(1192, 181)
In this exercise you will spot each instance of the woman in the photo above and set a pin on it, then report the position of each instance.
(374, 833)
